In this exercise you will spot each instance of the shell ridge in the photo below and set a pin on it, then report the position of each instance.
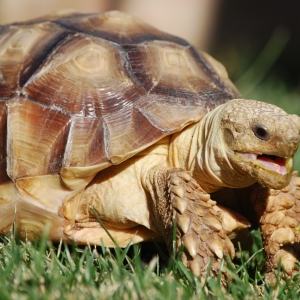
(57, 158)
(46, 59)
(101, 34)
(24, 75)
(49, 19)
(85, 145)
(142, 111)
(106, 138)
(69, 143)
(127, 64)
(54, 107)
(61, 23)
(9, 145)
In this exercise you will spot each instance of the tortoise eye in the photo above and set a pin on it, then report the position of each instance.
(261, 132)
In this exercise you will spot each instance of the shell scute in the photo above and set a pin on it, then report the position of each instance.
(170, 69)
(84, 76)
(22, 49)
(85, 145)
(128, 129)
(37, 137)
(181, 111)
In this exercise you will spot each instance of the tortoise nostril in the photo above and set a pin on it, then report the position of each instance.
(260, 132)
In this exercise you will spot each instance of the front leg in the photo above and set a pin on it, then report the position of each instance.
(177, 196)
(279, 212)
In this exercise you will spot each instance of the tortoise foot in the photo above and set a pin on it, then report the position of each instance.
(280, 225)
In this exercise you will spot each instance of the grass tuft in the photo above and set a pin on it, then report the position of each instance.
(41, 270)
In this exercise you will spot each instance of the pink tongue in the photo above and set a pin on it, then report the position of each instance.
(277, 165)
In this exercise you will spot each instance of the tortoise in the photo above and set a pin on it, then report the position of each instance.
(102, 114)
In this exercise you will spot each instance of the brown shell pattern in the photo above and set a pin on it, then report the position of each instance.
(81, 90)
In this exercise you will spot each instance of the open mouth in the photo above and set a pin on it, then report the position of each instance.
(274, 163)
(280, 165)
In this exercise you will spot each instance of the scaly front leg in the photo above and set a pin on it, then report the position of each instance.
(177, 196)
(279, 212)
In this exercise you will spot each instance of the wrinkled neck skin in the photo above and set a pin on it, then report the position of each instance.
(200, 149)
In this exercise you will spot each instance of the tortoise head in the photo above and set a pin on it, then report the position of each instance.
(261, 140)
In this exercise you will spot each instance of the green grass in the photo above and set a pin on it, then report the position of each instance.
(43, 271)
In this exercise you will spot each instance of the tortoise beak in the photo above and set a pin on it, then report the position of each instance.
(270, 170)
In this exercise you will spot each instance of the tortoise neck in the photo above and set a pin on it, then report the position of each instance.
(200, 149)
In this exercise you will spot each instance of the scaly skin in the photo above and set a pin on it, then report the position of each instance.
(199, 227)
(278, 212)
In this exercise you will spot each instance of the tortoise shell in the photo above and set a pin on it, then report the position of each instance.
(81, 92)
